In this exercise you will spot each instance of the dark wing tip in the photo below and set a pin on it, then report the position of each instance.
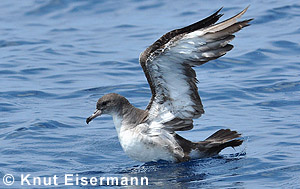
(208, 21)
(202, 23)
(249, 20)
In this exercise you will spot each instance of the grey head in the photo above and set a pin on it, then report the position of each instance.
(111, 104)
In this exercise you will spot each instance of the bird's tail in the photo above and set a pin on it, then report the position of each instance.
(218, 141)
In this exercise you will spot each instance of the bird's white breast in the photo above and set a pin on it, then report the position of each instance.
(140, 146)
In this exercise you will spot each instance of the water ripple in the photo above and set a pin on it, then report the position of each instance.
(278, 13)
(26, 94)
(20, 43)
(277, 87)
(6, 107)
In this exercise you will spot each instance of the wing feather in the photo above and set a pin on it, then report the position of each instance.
(168, 63)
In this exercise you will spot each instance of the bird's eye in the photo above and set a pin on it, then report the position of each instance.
(104, 103)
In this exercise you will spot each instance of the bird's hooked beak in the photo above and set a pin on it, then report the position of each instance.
(94, 115)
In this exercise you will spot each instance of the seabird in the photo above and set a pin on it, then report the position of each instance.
(150, 134)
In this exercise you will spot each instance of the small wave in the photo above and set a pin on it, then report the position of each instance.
(33, 71)
(279, 103)
(188, 13)
(7, 72)
(256, 56)
(51, 124)
(49, 7)
(4, 43)
(64, 30)
(150, 6)
(277, 87)
(278, 13)
(51, 51)
(25, 94)
(7, 107)
(122, 26)
(34, 130)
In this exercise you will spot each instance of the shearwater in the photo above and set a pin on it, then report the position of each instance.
(150, 134)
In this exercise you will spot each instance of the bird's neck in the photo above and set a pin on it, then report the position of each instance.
(118, 121)
(128, 117)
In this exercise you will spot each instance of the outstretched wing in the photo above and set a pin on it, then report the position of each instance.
(168, 63)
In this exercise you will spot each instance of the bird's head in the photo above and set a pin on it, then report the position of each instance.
(111, 104)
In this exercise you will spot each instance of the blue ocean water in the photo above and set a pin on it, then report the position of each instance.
(57, 57)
